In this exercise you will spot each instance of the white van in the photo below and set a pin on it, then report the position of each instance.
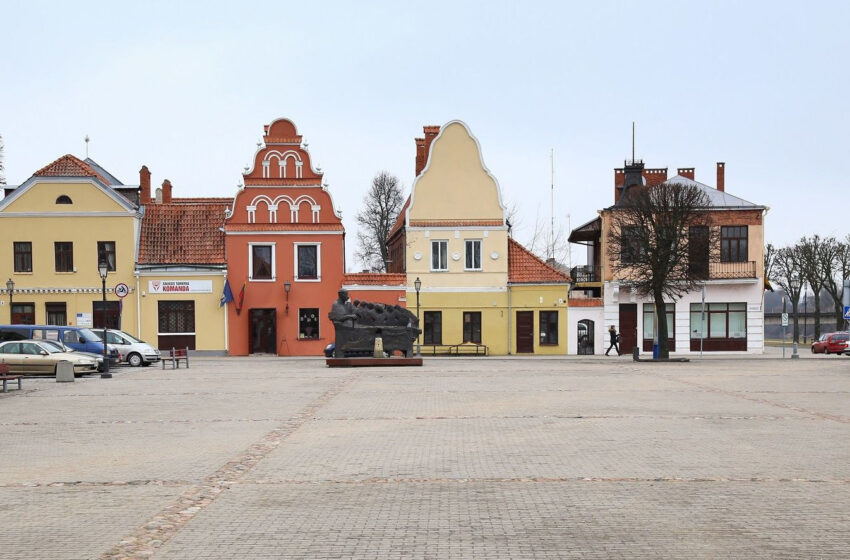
(133, 351)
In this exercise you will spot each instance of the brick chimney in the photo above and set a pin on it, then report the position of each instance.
(144, 185)
(721, 176)
(687, 172)
(423, 147)
(166, 192)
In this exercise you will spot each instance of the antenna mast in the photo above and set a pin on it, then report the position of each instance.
(87, 146)
(633, 141)
(551, 252)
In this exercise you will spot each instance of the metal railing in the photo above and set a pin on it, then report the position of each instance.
(586, 273)
(724, 270)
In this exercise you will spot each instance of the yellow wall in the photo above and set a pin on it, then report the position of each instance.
(541, 298)
(97, 218)
(209, 315)
(494, 272)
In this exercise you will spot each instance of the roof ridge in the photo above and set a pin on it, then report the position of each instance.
(66, 166)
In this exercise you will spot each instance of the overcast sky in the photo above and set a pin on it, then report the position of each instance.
(185, 88)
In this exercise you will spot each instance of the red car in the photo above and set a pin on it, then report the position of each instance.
(832, 343)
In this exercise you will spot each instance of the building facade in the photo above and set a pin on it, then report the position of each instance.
(284, 243)
(725, 315)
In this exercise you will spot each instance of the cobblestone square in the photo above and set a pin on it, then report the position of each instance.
(721, 457)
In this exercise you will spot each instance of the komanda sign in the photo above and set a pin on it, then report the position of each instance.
(180, 286)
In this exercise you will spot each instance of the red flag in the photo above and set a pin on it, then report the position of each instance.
(240, 299)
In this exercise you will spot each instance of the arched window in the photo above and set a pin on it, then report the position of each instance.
(64, 199)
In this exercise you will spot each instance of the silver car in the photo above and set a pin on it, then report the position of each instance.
(133, 351)
(36, 357)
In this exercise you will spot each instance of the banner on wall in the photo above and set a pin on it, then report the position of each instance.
(180, 286)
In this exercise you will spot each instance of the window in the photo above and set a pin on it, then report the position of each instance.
(433, 328)
(106, 253)
(177, 317)
(64, 256)
(472, 326)
(262, 262)
(548, 328)
(23, 313)
(106, 314)
(439, 255)
(473, 254)
(307, 262)
(23, 256)
(56, 314)
(733, 244)
(63, 199)
(722, 320)
(698, 251)
(308, 323)
(630, 251)
(649, 326)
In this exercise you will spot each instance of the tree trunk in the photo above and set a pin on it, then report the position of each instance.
(661, 323)
(817, 313)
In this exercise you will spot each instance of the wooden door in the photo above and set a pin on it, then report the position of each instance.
(628, 327)
(525, 332)
(263, 331)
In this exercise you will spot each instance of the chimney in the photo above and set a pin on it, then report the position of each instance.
(423, 147)
(144, 185)
(158, 198)
(686, 172)
(630, 175)
(166, 192)
(420, 155)
(721, 176)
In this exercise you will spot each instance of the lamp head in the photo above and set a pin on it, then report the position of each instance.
(102, 269)
(287, 286)
(417, 284)
(10, 285)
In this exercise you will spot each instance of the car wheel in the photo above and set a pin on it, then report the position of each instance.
(134, 360)
(813, 349)
(826, 351)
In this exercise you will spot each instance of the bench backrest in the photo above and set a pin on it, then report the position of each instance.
(4, 368)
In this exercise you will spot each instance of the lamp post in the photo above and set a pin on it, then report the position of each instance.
(287, 286)
(103, 270)
(805, 315)
(794, 284)
(10, 288)
(417, 285)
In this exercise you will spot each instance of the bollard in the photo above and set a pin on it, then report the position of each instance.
(379, 347)
(636, 354)
(64, 372)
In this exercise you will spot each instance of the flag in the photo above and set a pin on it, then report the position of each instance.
(241, 299)
(227, 295)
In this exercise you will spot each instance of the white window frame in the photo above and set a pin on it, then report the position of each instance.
(443, 243)
(251, 262)
(318, 247)
(475, 242)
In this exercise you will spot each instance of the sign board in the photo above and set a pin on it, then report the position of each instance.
(847, 311)
(122, 289)
(180, 286)
(84, 320)
(784, 319)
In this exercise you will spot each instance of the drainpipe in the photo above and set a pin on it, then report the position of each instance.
(138, 307)
(509, 319)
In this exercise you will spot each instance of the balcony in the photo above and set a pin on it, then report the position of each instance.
(724, 270)
(586, 274)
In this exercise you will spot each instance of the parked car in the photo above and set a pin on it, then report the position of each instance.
(832, 343)
(62, 348)
(133, 351)
(79, 338)
(34, 357)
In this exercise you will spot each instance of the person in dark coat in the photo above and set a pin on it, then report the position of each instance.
(615, 339)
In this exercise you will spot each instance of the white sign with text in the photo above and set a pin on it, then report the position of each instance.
(180, 286)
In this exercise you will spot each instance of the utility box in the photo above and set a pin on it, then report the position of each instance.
(64, 372)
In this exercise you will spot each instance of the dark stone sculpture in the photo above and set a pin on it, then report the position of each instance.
(358, 324)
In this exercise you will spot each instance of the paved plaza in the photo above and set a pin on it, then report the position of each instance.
(238, 458)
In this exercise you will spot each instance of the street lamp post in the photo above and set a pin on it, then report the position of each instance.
(794, 284)
(103, 270)
(805, 315)
(417, 284)
(10, 288)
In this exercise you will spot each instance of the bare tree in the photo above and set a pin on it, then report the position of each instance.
(381, 206)
(769, 261)
(817, 257)
(549, 244)
(2, 166)
(838, 272)
(789, 270)
(660, 243)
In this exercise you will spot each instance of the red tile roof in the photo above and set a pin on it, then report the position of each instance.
(182, 234)
(585, 302)
(524, 267)
(69, 166)
(202, 200)
(399, 221)
(375, 279)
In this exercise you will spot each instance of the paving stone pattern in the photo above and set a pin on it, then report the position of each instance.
(519, 458)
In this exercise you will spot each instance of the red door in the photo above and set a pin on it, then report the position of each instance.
(525, 332)
(628, 327)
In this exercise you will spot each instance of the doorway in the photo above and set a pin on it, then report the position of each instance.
(525, 332)
(586, 342)
(628, 327)
(263, 331)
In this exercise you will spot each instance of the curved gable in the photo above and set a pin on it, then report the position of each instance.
(455, 185)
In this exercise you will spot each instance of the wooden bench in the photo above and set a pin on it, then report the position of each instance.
(6, 377)
(470, 349)
(175, 356)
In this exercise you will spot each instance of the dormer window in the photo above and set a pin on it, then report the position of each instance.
(64, 199)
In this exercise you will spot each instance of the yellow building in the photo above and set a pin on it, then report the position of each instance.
(56, 228)
(479, 290)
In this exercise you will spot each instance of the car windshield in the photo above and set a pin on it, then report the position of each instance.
(50, 344)
(51, 348)
(89, 334)
(132, 338)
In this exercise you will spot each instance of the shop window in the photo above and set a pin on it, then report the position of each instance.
(472, 326)
(433, 327)
(548, 328)
(308, 323)
(176, 324)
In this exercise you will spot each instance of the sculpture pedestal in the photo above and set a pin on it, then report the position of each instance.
(373, 362)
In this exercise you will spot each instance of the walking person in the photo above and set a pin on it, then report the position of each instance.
(615, 339)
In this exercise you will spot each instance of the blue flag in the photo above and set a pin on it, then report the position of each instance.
(227, 295)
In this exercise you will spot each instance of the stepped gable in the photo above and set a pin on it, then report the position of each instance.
(184, 233)
(524, 267)
(282, 159)
(70, 166)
